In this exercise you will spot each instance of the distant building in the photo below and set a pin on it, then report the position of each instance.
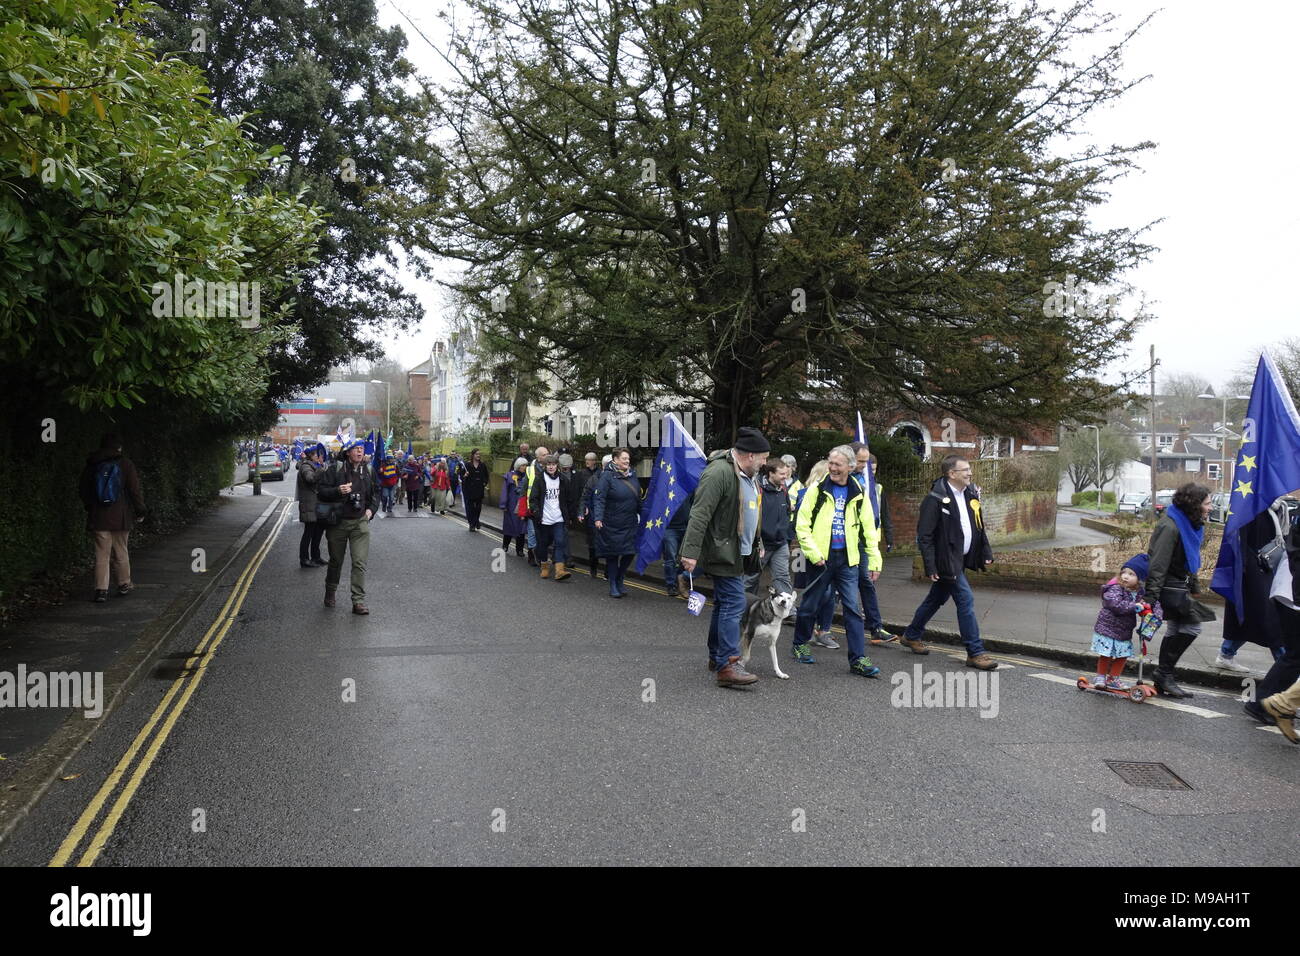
(439, 388)
(324, 410)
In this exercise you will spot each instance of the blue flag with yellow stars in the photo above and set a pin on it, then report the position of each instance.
(677, 471)
(1268, 467)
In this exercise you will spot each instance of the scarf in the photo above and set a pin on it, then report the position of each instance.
(1191, 537)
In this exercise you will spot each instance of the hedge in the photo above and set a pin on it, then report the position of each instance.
(1090, 498)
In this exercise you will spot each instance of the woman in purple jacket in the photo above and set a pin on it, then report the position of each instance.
(513, 488)
(1122, 598)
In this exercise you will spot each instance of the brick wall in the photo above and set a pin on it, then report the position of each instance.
(420, 401)
(1008, 518)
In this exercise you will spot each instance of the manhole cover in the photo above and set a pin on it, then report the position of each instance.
(1152, 776)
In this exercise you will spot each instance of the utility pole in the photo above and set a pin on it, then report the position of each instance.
(1154, 449)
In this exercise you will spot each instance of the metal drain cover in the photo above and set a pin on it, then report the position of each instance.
(1152, 776)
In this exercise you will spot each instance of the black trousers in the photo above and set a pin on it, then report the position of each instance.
(519, 543)
(309, 543)
(1286, 669)
(473, 508)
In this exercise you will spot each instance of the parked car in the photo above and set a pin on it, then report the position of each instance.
(1135, 502)
(268, 466)
(1220, 502)
(1164, 499)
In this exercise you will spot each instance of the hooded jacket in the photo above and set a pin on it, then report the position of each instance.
(121, 514)
(713, 533)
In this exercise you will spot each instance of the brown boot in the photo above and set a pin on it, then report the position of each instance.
(546, 569)
(561, 572)
(360, 608)
(329, 597)
(1284, 718)
(734, 675)
(916, 647)
(982, 662)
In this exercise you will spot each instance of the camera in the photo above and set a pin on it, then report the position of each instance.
(355, 500)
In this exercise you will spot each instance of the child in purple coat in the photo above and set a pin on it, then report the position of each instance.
(1122, 598)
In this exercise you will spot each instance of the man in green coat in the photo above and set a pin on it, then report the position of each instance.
(722, 538)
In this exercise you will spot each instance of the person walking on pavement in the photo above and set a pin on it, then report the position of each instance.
(531, 474)
(589, 476)
(550, 508)
(723, 540)
(1175, 553)
(836, 535)
(615, 505)
(352, 486)
(110, 489)
(474, 485)
(512, 522)
(310, 467)
(951, 538)
(778, 530)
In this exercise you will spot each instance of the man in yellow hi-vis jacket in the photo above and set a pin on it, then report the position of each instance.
(835, 532)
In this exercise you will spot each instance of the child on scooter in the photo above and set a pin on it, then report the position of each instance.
(1122, 600)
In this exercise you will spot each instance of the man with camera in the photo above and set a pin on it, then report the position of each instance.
(349, 497)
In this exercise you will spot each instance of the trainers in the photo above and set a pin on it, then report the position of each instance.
(824, 640)
(916, 647)
(803, 654)
(1114, 683)
(1230, 664)
(982, 662)
(864, 668)
(124, 589)
(1098, 680)
(881, 636)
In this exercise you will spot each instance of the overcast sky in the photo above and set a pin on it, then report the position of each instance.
(1220, 106)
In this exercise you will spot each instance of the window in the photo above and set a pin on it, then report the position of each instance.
(818, 376)
(1192, 464)
(1165, 441)
(994, 447)
(1212, 471)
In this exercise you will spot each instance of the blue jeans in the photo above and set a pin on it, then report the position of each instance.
(531, 536)
(672, 543)
(867, 591)
(826, 613)
(1230, 648)
(836, 577)
(386, 498)
(962, 595)
(553, 534)
(724, 625)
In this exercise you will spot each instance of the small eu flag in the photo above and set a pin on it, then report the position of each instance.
(677, 471)
(1268, 467)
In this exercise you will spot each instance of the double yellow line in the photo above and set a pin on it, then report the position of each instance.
(191, 674)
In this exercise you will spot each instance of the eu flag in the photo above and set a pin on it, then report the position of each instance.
(677, 471)
(378, 461)
(1268, 467)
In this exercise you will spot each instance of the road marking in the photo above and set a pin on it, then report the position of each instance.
(195, 668)
(1153, 701)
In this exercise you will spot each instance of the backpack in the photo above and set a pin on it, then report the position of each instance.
(108, 482)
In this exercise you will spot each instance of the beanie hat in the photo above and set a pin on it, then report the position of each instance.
(1140, 565)
(751, 440)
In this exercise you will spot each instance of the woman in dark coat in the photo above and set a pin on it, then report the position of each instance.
(1264, 617)
(412, 481)
(309, 469)
(614, 512)
(1175, 553)
(513, 526)
(473, 487)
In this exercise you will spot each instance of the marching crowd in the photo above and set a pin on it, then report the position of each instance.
(748, 514)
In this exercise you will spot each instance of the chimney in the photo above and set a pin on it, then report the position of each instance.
(1183, 433)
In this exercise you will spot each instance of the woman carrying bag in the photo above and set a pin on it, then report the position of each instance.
(512, 495)
(1175, 553)
(309, 468)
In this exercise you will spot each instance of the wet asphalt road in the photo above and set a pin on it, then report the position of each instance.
(503, 719)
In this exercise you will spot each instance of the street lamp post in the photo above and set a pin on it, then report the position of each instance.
(388, 416)
(1098, 427)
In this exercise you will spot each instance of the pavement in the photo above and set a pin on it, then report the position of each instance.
(483, 716)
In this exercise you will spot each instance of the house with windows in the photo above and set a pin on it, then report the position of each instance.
(1183, 455)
